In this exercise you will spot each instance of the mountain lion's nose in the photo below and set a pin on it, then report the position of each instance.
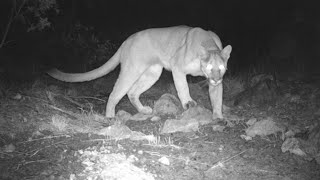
(215, 82)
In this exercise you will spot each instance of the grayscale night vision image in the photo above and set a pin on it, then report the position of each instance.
(159, 90)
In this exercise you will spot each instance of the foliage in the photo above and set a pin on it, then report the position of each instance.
(32, 13)
(38, 11)
(84, 43)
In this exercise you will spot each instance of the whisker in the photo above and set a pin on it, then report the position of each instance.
(203, 83)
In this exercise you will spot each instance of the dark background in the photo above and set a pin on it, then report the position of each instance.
(266, 36)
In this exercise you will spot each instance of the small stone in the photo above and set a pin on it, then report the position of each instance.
(17, 97)
(140, 152)
(155, 118)
(218, 128)
(164, 160)
(9, 148)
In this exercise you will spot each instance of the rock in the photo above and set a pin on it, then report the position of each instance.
(167, 104)
(188, 121)
(174, 125)
(263, 128)
(201, 114)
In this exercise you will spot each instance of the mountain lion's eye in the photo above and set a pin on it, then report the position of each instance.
(222, 68)
(209, 67)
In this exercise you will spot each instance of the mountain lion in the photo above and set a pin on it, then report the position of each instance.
(183, 50)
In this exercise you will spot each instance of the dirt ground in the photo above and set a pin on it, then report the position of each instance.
(48, 131)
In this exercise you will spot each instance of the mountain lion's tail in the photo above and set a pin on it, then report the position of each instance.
(107, 67)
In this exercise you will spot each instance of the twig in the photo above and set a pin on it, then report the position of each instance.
(36, 98)
(228, 159)
(104, 140)
(12, 16)
(66, 112)
(87, 97)
(7, 28)
(7, 154)
(214, 165)
(74, 102)
(34, 152)
(29, 162)
(47, 137)
(53, 107)
(56, 108)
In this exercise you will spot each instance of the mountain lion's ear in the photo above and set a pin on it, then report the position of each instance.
(205, 47)
(203, 54)
(209, 45)
(225, 53)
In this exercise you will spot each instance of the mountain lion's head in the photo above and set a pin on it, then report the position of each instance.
(214, 63)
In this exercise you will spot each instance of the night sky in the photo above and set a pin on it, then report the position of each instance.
(255, 29)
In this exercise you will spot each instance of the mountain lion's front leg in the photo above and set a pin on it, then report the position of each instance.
(181, 84)
(215, 93)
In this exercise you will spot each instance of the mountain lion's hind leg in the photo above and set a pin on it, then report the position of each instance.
(127, 77)
(148, 78)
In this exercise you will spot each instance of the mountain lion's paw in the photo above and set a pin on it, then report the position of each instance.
(146, 110)
(217, 116)
(190, 104)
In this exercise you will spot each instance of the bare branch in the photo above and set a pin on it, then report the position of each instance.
(12, 16)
